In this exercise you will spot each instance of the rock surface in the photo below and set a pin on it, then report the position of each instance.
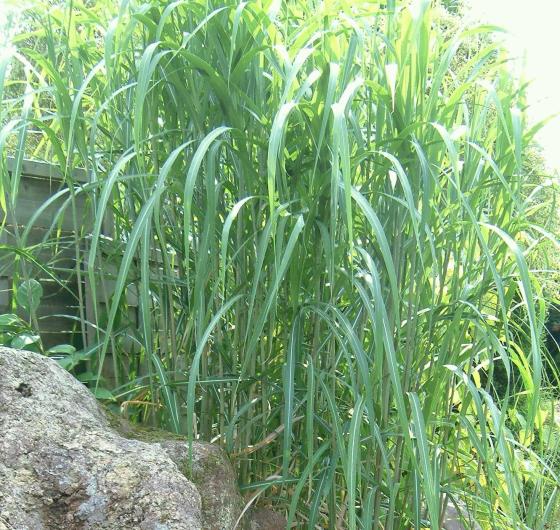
(65, 464)
(265, 519)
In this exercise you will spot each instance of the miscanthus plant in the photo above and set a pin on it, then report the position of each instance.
(321, 209)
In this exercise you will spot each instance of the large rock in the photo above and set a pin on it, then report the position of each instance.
(266, 519)
(65, 464)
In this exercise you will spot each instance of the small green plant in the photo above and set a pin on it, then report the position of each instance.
(15, 332)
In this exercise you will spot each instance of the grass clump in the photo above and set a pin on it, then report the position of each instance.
(323, 216)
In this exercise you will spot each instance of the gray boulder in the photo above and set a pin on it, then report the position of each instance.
(66, 464)
(266, 519)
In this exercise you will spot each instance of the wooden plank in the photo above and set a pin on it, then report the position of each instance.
(46, 309)
(58, 323)
(61, 265)
(50, 339)
(5, 295)
(33, 193)
(46, 170)
(37, 235)
(59, 254)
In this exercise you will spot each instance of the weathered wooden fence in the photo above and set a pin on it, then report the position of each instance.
(51, 221)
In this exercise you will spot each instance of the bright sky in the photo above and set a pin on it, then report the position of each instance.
(535, 36)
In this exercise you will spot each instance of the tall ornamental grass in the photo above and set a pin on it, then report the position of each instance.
(321, 208)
